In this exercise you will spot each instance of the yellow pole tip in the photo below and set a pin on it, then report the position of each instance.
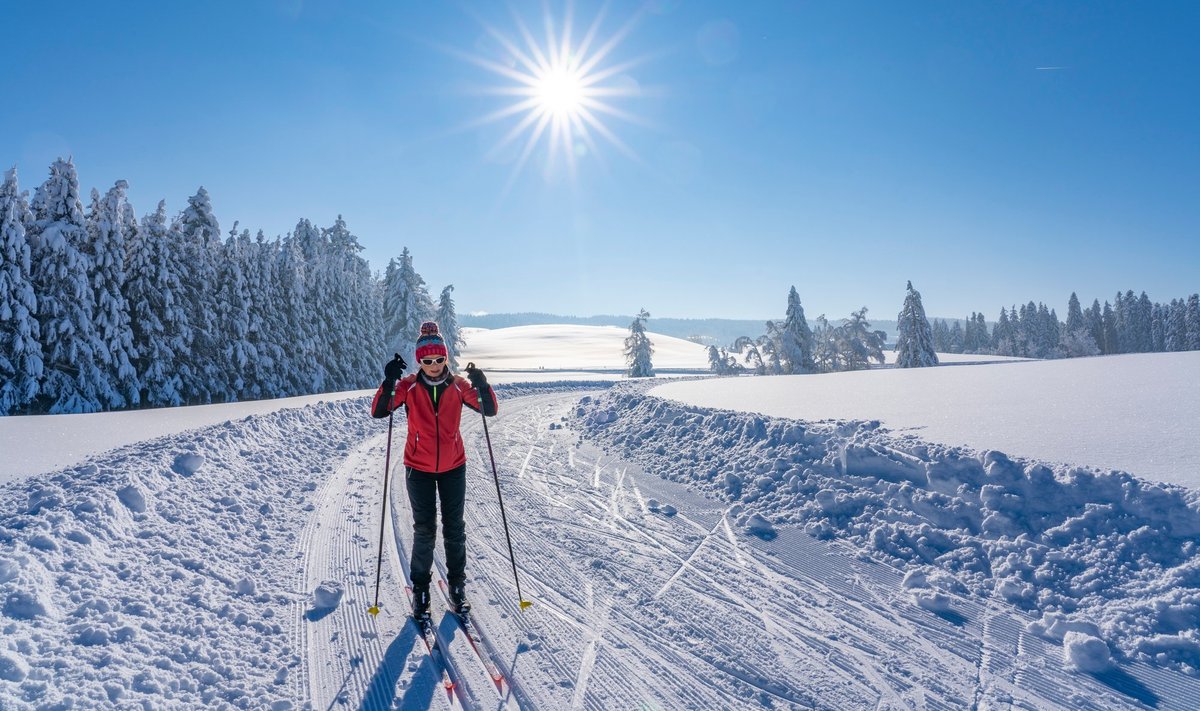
(526, 603)
(373, 610)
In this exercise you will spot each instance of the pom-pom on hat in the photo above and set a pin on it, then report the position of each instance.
(430, 342)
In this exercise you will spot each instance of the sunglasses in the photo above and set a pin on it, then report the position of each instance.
(433, 361)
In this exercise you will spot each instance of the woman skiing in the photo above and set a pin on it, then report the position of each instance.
(435, 462)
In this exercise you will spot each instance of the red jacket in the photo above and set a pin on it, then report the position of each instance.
(434, 443)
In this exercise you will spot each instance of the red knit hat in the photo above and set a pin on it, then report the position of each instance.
(430, 342)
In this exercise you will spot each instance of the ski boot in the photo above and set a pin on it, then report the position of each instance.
(420, 603)
(459, 601)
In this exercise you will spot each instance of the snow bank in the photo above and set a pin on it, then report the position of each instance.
(1089, 545)
(43, 444)
(1135, 412)
(133, 581)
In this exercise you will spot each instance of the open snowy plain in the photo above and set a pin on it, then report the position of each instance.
(680, 552)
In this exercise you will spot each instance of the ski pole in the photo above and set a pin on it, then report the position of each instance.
(387, 474)
(499, 497)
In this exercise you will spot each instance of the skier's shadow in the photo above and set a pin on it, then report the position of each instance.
(381, 689)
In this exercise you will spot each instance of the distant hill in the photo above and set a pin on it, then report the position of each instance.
(707, 331)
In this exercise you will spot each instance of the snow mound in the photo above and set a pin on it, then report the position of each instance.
(1106, 547)
(184, 592)
(187, 464)
(759, 526)
(13, 668)
(246, 586)
(327, 595)
(932, 600)
(133, 498)
(1083, 652)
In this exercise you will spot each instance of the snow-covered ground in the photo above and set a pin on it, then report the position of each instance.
(570, 347)
(41, 444)
(1139, 413)
(677, 557)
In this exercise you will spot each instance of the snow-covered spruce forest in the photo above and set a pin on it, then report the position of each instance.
(100, 310)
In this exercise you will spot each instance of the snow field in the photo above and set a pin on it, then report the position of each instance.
(163, 573)
(1104, 547)
(1136, 412)
(572, 347)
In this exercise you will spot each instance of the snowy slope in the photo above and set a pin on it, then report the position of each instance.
(570, 347)
(1137, 413)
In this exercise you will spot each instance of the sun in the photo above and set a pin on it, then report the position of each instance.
(562, 92)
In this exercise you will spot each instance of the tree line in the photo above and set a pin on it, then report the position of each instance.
(102, 311)
(1129, 324)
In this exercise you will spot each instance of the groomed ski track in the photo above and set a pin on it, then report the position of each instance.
(634, 608)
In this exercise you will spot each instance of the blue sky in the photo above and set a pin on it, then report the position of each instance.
(991, 152)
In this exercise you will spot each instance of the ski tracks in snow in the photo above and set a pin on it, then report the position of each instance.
(355, 660)
(640, 607)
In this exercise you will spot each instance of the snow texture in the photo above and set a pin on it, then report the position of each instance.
(1135, 413)
(1098, 545)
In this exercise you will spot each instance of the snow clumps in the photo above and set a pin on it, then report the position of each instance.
(1107, 547)
(327, 595)
(1086, 653)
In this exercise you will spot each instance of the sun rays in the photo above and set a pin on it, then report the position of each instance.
(561, 92)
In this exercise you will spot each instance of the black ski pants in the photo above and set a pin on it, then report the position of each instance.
(424, 490)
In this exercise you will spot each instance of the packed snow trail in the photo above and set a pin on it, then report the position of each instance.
(354, 658)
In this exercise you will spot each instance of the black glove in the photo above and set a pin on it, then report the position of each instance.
(476, 376)
(394, 370)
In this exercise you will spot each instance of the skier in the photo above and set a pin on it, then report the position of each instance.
(435, 462)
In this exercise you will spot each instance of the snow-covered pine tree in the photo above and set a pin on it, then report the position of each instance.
(771, 347)
(1176, 332)
(1094, 318)
(914, 340)
(106, 249)
(825, 346)
(267, 333)
(448, 323)
(199, 237)
(298, 371)
(158, 318)
(1141, 317)
(1110, 343)
(1074, 313)
(1158, 328)
(795, 338)
(406, 305)
(359, 306)
(1076, 338)
(858, 345)
(321, 301)
(64, 296)
(233, 320)
(985, 338)
(638, 348)
(716, 363)
(941, 336)
(1192, 322)
(956, 335)
(747, 347)
(20, 335)
(1121, 320)
(253, 373)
